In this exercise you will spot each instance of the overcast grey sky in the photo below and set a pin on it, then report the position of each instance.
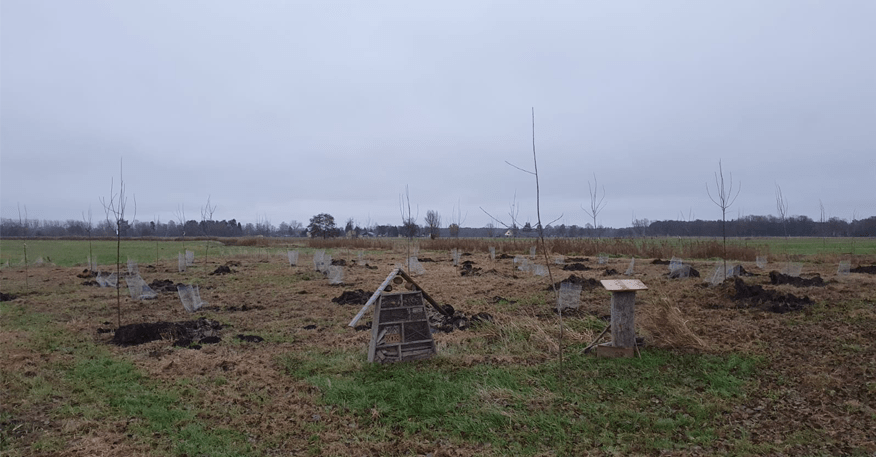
(285, 109)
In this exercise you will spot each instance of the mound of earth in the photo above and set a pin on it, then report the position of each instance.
(352, 297)
(339, 262)
(586, 284)
(86, 273)
(870, 270)
(243, 308)
(183, 333)
(468, 269)
(575, 267)
(610, 272)
(766, 300)
(660, 262)
(250, 338)
(426, 259)
(7, 297)
(777, 278)
(685, 271)
(454, 320)
(504, 256)
(578, 259)
(164, 285)
(222, 270)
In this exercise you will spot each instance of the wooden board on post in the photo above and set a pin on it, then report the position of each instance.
(623, 317)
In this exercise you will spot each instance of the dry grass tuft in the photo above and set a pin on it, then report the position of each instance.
(667, 326)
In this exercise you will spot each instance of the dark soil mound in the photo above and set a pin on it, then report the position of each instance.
(425, 259)
(504, 256)
(309, 327)
(191, 331)
(660, 262)
(456, 321)
(610, 272)
(243, 308)
(362, 327)
(352, 297)
(679, 273)
(468, 269)
(250, 338)
(222, 270)
(90, 283)
(7, 297)
(339, 262)
(586, 284)
(767, 300)
(86, 273)
(163, 285)
(870, 270)
(575, 267)
(777, 278)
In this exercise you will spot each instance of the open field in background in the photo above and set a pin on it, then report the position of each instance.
(75, 252)
(717, 376)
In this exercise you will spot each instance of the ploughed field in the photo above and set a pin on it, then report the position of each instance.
(761, 364)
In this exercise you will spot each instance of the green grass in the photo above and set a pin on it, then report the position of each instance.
(810, 246)
(75, 252)
(94, 385)
(662, 401)
(68, 253)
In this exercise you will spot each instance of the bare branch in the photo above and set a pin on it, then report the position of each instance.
(521, 169)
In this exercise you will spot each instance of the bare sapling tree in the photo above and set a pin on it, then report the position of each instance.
(115, 207)
(823, 230)
(86, 222)
(433, 220)
(409, 222)
(542, 243)
(723, 198)
(597, 203)
(24, 224)
(782, 208)
(181, 219)
(206, 220)
(513, 211)
(456, 220)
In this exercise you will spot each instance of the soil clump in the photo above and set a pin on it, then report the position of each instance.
(767, 300)
(184, 333)
(250, 338)
(468, 269)
(164, 285)
(777, 278)
(585, 283)
(352, 297)
(679, 273)
(575, 267)
(867, 269)
(222, 270)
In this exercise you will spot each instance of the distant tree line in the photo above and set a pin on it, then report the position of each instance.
(323, 225)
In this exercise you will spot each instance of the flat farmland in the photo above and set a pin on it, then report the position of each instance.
(750, 366)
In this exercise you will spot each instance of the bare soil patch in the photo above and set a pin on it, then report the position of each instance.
(777, 278)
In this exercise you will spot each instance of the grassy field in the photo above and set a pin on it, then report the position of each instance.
(715, 378)
(75, 252)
